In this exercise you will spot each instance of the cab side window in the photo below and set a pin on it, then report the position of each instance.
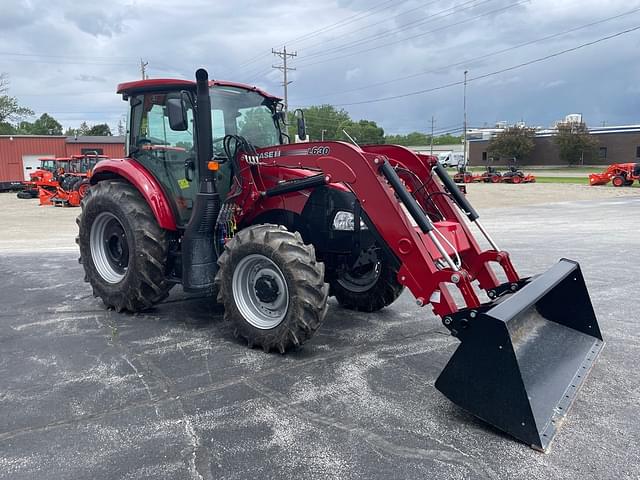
(166, 153)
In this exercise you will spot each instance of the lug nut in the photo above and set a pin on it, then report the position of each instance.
(455, 278)
(447, 321)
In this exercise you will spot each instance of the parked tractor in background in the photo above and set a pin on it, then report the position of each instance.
(619, 174)
(43, 176)
(73, 183)
(213, 196)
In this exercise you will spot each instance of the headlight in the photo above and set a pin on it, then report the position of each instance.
(344, 221)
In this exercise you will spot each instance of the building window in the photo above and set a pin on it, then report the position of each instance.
(602, 153)
(638, 152)
(484, 156)
(85, 151)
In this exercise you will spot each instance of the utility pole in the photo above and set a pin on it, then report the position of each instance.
(284, 69)
(433, 121)
(464, 158)
(143, 69)
(322, 134)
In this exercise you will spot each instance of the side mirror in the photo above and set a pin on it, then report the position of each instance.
(177, 113)
(302, 131)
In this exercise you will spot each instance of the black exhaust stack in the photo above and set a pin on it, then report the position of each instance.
(199, 258)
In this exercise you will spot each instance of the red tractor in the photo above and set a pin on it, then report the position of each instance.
(619, 174)
(72, 184)
(212, 195)
(43, 176)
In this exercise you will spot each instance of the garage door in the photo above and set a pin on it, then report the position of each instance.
(31, 163)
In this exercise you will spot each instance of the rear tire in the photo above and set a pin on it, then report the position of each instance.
(272, 287)
(617, 181)
(354, 293)
(516, 179)
(24, 194)
(122, 248)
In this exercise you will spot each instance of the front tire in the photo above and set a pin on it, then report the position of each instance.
(122, 248)
(272, 287)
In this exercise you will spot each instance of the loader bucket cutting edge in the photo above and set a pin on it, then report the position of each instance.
(522, 361)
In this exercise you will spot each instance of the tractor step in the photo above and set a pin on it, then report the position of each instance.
(523, 359)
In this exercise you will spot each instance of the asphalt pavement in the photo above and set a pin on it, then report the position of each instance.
(89, 393)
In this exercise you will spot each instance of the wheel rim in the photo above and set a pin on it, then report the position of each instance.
(260, 291)
(109, 247)
(82, 190)
(362, 278)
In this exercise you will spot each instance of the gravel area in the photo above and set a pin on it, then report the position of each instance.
(170, 394)
(30, 227)
(488, 195)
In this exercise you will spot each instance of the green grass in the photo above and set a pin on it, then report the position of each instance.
(575, 180)
(541, 170)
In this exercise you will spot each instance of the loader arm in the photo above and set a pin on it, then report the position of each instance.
(420, 251)
(523, 354)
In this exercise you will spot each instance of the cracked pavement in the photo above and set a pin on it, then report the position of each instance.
(89, 393)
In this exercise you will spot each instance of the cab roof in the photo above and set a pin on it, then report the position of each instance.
(175, 83)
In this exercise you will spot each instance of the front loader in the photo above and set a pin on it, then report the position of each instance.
(213, 196)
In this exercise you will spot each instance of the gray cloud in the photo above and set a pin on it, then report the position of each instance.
(72, 55)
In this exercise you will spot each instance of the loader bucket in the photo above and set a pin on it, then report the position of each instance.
(523, 359)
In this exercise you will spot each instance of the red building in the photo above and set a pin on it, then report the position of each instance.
(19, 154)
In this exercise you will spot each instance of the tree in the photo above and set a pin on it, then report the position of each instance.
(447, 139)
(322, 118)
(76, 132)
(575, 142)
(45, 125)
(10, 109)
(514, 142)
(414, 139)
(7, 129)
(411, 139)
(100, 130)
(365, 132)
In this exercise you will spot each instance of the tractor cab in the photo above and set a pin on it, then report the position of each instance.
(168, 148)
(48, 164)
(86, 162)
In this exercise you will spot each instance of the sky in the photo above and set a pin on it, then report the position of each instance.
(66, 57)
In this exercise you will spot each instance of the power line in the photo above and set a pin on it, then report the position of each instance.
(340, 23)
(365, 27)
(503, 70)
(473, 60)
(407, 26)
(384, 45)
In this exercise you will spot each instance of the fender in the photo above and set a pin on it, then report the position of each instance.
(147, 185)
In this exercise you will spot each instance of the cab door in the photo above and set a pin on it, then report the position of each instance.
(170, 156)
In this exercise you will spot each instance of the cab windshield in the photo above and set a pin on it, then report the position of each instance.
(236, 111)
